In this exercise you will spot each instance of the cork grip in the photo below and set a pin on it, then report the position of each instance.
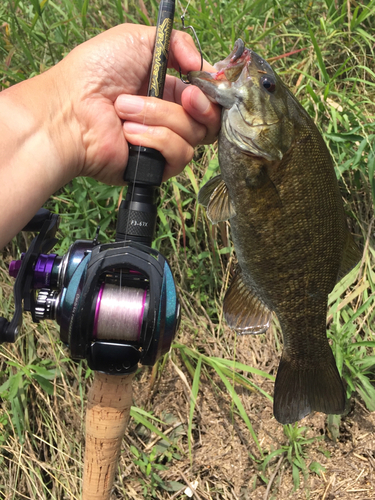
(108, 408)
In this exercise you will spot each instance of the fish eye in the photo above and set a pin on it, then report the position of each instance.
(268, 83)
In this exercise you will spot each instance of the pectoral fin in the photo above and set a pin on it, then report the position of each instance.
(214, 195)
(350, 257)
(243, 310)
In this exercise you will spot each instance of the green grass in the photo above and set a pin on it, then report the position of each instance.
(333, 76)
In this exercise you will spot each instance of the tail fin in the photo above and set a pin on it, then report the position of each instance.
(298, 392)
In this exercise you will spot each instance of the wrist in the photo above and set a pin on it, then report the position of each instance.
(61, 126)
(38, 153)
(41, 119)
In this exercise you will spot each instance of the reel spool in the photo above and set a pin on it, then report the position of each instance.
(119, 313)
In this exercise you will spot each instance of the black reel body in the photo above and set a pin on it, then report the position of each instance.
(116, 303)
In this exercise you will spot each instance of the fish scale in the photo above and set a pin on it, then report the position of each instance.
(279, 190)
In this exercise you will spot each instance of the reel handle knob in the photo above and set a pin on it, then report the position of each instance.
(3, 330)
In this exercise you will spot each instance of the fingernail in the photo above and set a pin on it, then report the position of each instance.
(130, 104)
(200, 103)
(135, 128)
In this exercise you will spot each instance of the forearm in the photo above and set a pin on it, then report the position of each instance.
(36, 151)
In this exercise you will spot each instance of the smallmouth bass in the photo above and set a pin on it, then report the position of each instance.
(279, 190)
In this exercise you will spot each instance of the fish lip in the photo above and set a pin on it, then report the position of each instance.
(190, 75)
(212, 88)
(239, 47)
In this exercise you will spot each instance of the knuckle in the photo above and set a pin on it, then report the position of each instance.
(166, 135)
(160, 110)
(189, 153)
(149, 107)
(202, 133)
(186, 37)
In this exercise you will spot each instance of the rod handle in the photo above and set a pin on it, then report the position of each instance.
(146, 165)
(108, 409)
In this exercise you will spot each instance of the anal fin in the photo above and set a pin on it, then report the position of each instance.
(214, 195)
(243, 310)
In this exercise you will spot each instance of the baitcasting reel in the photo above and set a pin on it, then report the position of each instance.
(116, 303)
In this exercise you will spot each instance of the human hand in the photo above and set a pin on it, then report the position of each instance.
(68, 121)
(99, 81)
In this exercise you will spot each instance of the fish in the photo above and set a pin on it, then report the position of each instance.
(279, 190)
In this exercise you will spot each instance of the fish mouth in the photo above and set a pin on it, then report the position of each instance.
(195, 77)
(228, 70)
(239, 56)
(217, 91)
(218, 85)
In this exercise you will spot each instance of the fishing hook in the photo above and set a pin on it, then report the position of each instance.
(196, 39)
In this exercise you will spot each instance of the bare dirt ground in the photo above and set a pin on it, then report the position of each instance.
(222, 464)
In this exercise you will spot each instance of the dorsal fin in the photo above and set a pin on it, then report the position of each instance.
(243, 310)
(214, 195)
(351, 256)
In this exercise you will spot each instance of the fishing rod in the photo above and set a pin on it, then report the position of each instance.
(116, 303)
(110, 397)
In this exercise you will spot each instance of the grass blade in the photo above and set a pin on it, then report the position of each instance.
(319, 57)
